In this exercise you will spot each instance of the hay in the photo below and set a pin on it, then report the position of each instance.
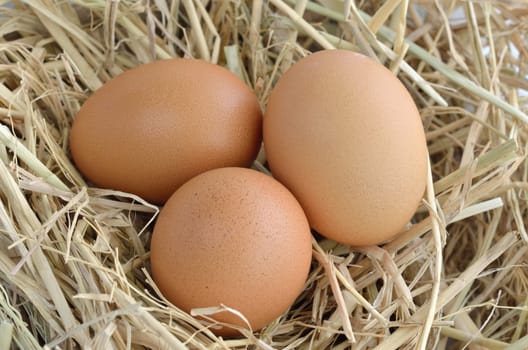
(74, 260)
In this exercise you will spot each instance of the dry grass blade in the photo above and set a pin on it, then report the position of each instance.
(29, 158)
(297, 19)
(338, 294)
(473, 339)
(439, 242)
(74, 259)
(383, 14)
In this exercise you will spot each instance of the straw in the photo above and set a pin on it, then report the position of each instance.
(75, 260)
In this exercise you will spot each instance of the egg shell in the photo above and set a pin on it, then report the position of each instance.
(154, 127)
(345, 136)
(232, 237)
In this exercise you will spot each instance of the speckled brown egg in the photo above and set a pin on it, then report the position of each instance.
(233, 237)
(154, 127)
(345, 136)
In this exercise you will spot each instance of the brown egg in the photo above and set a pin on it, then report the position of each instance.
(152, 128)
(344, 135)
(232, 237)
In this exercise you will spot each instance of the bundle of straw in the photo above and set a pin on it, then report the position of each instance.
(74, 259)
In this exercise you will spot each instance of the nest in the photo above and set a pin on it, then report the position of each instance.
(74, 259)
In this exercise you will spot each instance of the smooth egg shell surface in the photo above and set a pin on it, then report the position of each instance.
(345, 136)
(236, 237)
(154, 127)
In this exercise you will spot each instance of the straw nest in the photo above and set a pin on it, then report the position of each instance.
(74, 259)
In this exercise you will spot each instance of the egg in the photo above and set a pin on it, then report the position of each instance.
(343, 134)
(153, 127)
(233, 237)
